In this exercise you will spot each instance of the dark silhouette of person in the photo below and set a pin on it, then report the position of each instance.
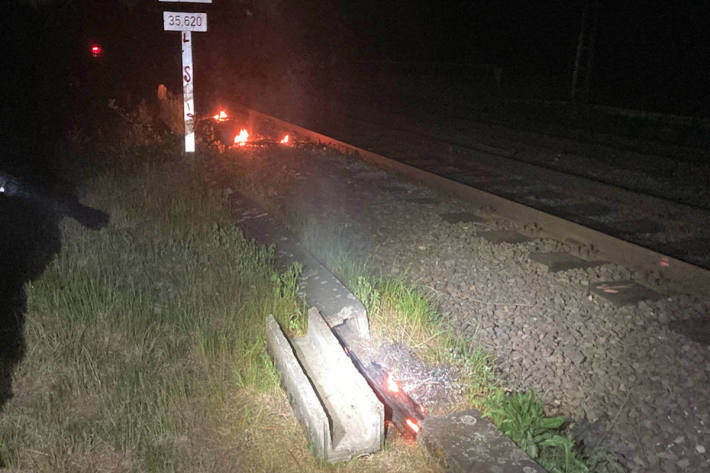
(29, 239)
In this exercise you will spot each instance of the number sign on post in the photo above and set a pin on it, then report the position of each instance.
(186, 23)
(183, 21)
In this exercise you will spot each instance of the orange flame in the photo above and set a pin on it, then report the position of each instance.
(221, 116)
(284, 140)
(242, 137)
(392, 384)
(412, 425)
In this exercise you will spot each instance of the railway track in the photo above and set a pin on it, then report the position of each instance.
(518, 152)
(665, 214)
(666, 243)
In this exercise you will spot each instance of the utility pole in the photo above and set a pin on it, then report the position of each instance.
(585, 52)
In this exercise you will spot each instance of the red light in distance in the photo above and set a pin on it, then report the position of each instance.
(96, 50)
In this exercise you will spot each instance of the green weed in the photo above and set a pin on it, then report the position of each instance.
(559, 455)
(520, 416)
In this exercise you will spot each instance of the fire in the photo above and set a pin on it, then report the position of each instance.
(242, 137)
(284, 140)
(412, 425)
(221, 116)
(392, 384)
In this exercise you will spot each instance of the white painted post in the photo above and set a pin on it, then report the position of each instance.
(186, 23)
(187, 88)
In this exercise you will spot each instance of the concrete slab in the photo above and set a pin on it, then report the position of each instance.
(688, 247)
(505, 185)
(477, 179)
(548, 194)
(696, 328)
(323, 383)
(371, 175)
(510, 191)
(395, 189)
(423, 200)
(621, 293)
(461, 217)
(304, 400)
(465, 442)
(322, 289)
(507, 152)
(475, 174)
(504, 236)
(591, 209)
(442, 169)
(642, 225)
(625, 227)
(561, 261)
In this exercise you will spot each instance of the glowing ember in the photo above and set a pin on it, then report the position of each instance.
(412, 425)
(221, 116)
(242, 137)
(284, 140)
(392, 384)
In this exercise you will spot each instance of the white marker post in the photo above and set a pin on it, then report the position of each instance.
(186, 23)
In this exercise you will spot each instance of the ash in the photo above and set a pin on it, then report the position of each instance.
(430, 387)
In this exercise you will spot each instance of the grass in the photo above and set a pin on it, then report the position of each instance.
(145, 339)
(401, 313)
(520, 416)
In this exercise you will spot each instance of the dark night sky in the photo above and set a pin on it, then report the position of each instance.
(649, 55)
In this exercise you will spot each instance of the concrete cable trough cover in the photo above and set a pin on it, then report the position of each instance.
(330, 398)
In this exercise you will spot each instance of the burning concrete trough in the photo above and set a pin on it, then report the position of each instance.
(338, 392)
(338, 389)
